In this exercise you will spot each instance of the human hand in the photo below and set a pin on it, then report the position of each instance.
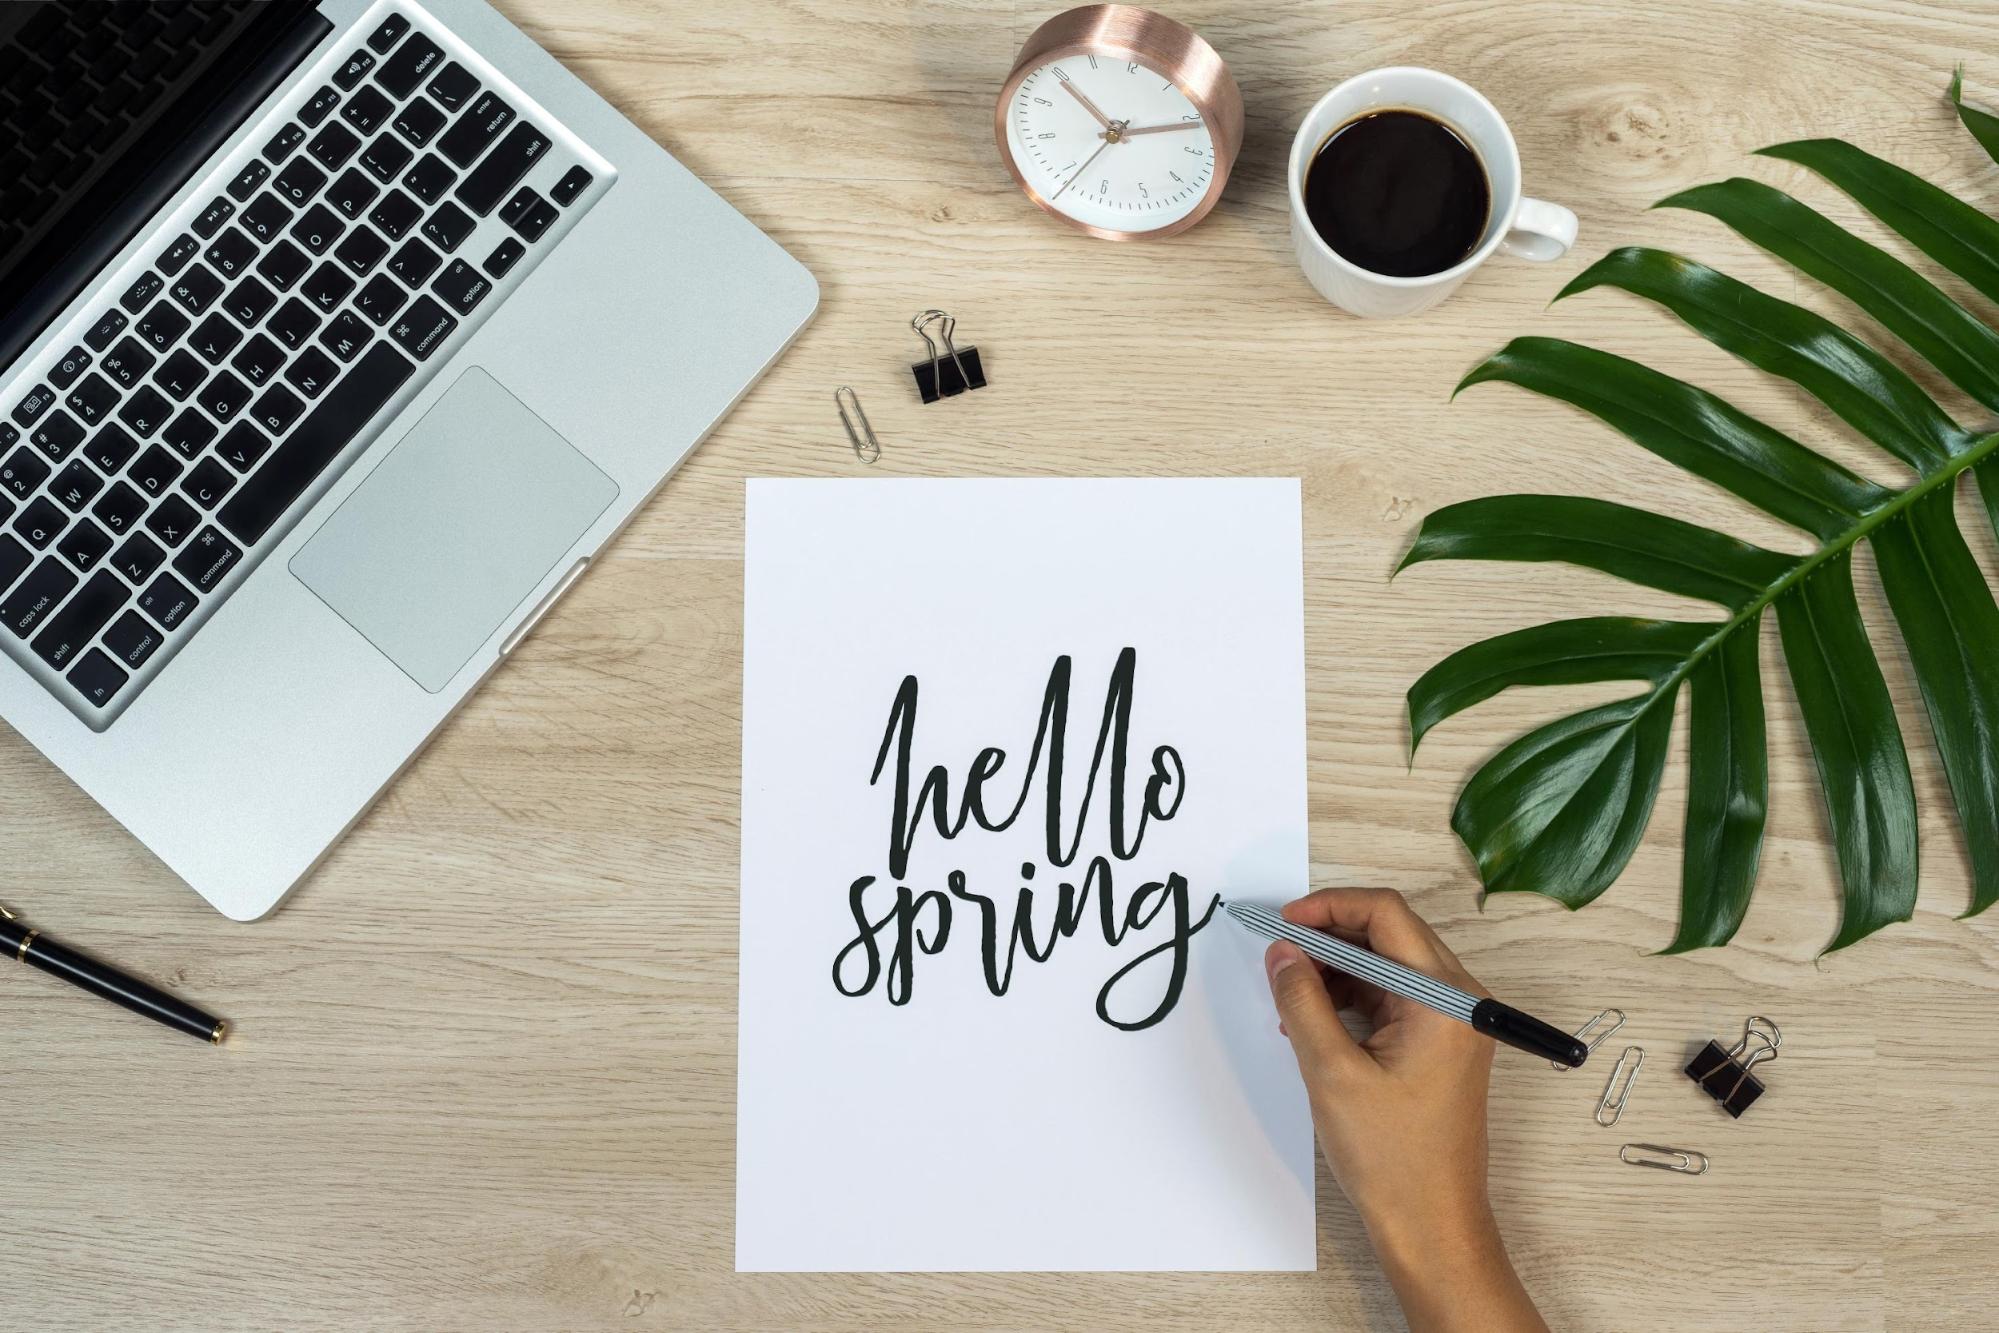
(1401, 1115)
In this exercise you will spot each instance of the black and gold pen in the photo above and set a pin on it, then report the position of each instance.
(25, 945)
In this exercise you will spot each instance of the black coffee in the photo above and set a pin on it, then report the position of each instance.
(1398, 193)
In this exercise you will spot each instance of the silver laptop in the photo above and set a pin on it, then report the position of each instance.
(335, 341)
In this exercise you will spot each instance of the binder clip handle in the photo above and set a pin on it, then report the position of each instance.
(1725, 1075)
(952, 371)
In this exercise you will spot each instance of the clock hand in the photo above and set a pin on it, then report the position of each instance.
(1076, 175)
(1088, 105)
(1164, 129)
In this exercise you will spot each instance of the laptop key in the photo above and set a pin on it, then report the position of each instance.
(243, 446)
(14, 559)
(231, 253)
(396, 214)
(333, 145)
(419, 122)
(470, 134)
(422, 327)
(219, 211)
(197, 288)
(98, 678)
(327, 286)
(266, 216)
(36, 596)
(76, 486)
(41, 523)
(85, 544)
(172, 521)
(505, 255)
(414, 262)
(293, 323)
(448, 226)
(22, 473)
(175, 256)
(69, 631)
(206, 485)
(145, 411)
(188, 433)
(180, 374)
(380, 298)
(361, 251)
(385, 157)
(299, 182)
(128, 362)
(208, 558)
(311, 372)
(461, 286)
(453, 86)
(143, 289)
(161, 326)
(574, 182)
(317, 229)
(37, 401)
(259, 359)
(167, 600)
(155, 471)
(108, 326)
(388, 34)
(366, 110)
(353, 71)
(502, 169)
(277, 409)
(224, 397)
(319, 438)
(111, 448)
(414, 61)
(345, 335)
(58, 435)
(352, 193)
(541, 215)
(249, 301)
(283, 265)
(131, 640)
(281, 145)
(92, 399)
(73, 363)
(215, 338)
(429, 178)
(120, 507)
(319, 106)
(254, 173)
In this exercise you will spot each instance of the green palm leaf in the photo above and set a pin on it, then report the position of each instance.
(1560, 811)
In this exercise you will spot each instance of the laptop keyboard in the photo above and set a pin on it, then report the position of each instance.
(147, 467)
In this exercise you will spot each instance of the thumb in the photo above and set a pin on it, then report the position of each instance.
(1307, 1014)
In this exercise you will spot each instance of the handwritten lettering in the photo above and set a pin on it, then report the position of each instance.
(895, 925)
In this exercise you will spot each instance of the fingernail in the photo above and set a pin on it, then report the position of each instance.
(1278, 957)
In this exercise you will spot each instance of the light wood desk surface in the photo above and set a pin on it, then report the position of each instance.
(484, 1076)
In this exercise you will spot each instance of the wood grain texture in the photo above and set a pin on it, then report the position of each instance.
(484, 1075)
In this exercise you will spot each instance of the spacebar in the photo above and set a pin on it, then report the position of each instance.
(315, 442)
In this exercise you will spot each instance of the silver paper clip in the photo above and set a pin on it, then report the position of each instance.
(1683, 1160)
(866, 447)
(1594, 1026)
(1614, 1095)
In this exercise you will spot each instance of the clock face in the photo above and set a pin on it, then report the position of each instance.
(1110, 143)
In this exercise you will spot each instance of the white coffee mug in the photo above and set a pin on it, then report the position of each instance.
(1517, 225)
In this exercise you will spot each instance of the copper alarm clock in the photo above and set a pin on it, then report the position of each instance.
(1119, 121)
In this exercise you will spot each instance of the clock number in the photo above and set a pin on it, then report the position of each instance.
(1042, 101)
(1142, 192)
(1057, 71)
(1048, 135)
(1130, 67)
(1092, 60)
(1195, 151)
(1104, 185)
(1195, 117)
(1176, 176)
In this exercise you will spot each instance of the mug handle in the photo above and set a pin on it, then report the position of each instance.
(1541, 231)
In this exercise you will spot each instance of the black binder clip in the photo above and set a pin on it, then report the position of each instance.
(1724, 1075)
(950, 372)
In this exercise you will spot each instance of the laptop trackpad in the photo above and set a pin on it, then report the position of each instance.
(443, 542)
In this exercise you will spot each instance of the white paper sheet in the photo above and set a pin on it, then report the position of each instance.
(898, 1115)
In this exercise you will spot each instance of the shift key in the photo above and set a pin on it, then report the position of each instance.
(469, 135)
(71, 629)
(483, 189)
